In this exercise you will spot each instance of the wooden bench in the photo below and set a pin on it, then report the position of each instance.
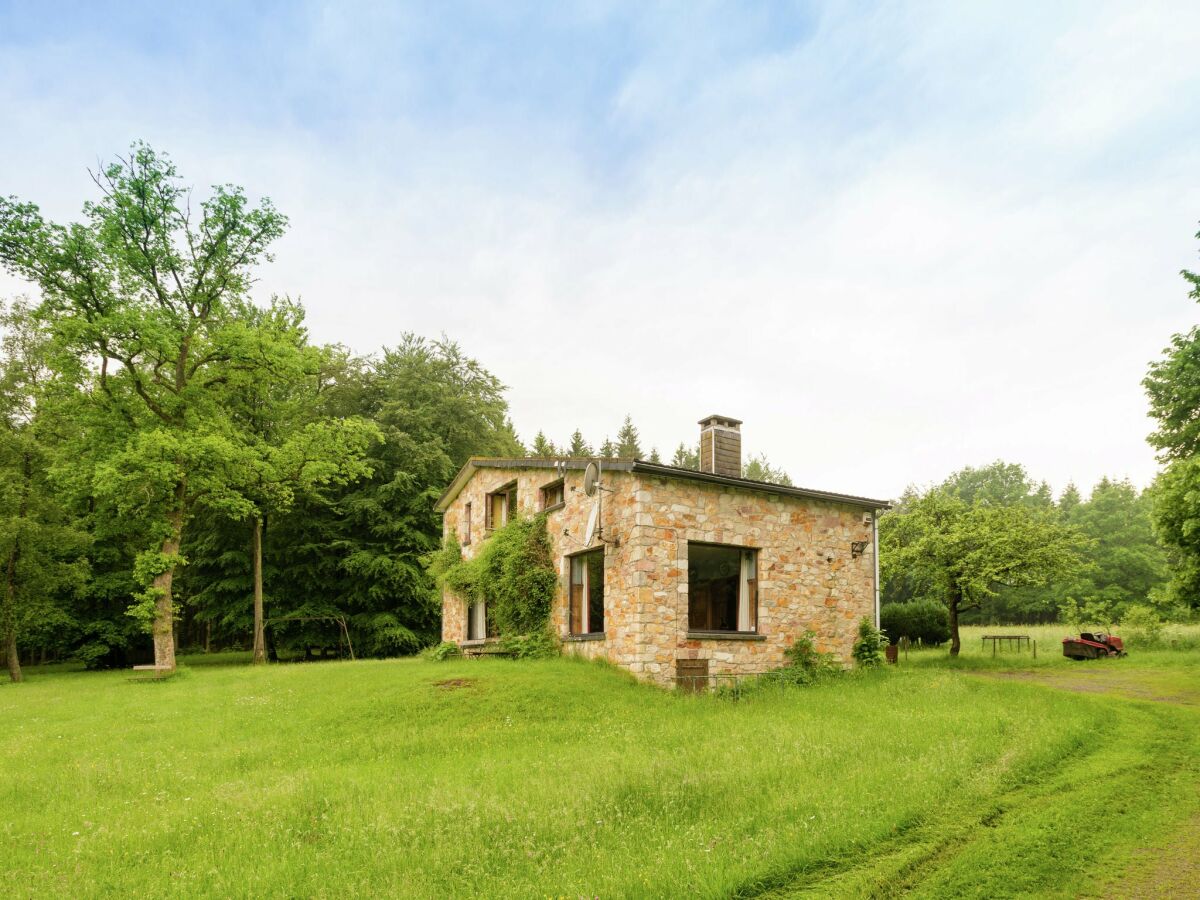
(159, 672)
(480, 650)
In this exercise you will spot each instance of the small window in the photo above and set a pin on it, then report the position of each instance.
(722, 588)
(587, 593)
(479, 621)
(501, 506)
(553, 495)
(466, 529)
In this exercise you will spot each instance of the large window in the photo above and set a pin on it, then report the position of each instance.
(479, 623)
(722, 588)
(587, 593)
(501, 505)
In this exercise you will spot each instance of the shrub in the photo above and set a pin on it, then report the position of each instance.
(1141, 627)
(868, 648)
(535, 645)
(443, 651)
(918, 620)
(806, 664)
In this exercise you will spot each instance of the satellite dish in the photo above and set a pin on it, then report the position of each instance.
(591, 478)
(593, 520)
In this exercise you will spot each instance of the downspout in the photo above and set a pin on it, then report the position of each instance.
(875, 542)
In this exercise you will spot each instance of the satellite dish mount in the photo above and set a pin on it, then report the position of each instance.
(593, 486)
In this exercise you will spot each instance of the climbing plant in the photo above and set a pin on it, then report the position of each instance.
(513, 572)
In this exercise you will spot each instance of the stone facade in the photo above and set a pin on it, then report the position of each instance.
(810, 576)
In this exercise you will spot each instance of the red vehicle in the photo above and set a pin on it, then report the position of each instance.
(1093, 645)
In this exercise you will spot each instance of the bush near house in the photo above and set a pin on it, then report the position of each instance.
(921, 621)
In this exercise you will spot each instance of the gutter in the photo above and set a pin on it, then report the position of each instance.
(875, 542)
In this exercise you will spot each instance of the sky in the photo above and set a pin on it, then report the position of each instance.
(894, 239)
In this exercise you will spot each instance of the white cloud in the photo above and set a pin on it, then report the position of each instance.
(908, 243)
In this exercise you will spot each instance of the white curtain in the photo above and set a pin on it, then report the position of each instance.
(746, 593)
(478, 629)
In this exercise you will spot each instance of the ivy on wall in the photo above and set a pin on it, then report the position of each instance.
(513, 572)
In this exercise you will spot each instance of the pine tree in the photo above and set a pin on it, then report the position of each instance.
(579, 447)
(608, 449)
(685, 458)
(654, 457)
(628, 446)
(542, 447)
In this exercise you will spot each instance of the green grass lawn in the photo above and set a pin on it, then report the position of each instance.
(566, 778)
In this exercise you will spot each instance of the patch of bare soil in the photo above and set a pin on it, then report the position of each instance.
(1169, 869)
(451, 684)
(1094, 680)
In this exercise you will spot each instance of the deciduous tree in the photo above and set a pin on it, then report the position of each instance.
(144, 297)
(963, 552)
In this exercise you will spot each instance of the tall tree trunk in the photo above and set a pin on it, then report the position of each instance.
(164, 609)
(14, 661)
(10, 581)
(260, 646)
(955, 641)
(10, 613)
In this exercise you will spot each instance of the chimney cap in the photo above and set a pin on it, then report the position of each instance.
(727, 421)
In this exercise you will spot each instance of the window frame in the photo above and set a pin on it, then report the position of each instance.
(466, 531)
(589, 635)
(508, 491)
(722, 634)
(561, 484)
(489, 630)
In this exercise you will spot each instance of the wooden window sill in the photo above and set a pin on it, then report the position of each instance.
(725, 636)
(558, 505)
(574, 638)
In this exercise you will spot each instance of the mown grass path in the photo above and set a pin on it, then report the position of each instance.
(1117, 816)
(563, 778)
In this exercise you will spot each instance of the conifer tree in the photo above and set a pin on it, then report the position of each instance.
(628, 445)
(579, 447)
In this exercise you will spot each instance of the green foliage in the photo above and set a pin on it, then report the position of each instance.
(869, 645)
(917, 620)
(513, 572)
(628, 440)
(578, 446)
(539, 644)
(444, 651)
(961, 553)
(686, 457)
(1173, 387)
(759, 468)
(806, 664)
(1141, 627)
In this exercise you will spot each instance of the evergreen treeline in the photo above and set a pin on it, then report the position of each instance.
(628, 445)
(178, 462)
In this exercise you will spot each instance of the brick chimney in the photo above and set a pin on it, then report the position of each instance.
(721, 446)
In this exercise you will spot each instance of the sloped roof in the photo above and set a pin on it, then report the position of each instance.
(646, 468)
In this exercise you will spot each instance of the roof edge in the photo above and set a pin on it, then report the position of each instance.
(648, 468)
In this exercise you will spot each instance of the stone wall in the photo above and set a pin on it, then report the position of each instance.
(566, 526)
(808, 578)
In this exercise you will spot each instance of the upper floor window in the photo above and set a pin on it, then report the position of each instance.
(722, 588)
(501, 506)
(587, 593)
(553, 495)
(466, 528)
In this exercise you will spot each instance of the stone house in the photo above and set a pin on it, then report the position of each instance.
(689, 573)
